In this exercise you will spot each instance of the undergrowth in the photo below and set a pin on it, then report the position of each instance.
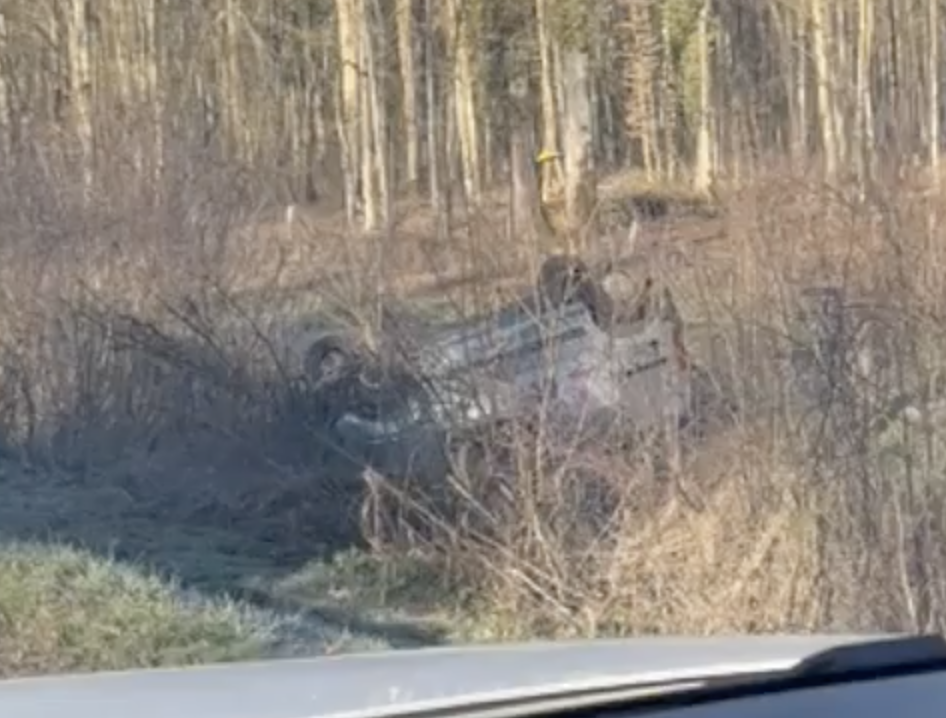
(155, 407)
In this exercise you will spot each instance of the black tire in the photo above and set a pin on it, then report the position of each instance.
(651, 207)
(329, 358)
(563, 280)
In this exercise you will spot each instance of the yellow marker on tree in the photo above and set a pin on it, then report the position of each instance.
(552, 200)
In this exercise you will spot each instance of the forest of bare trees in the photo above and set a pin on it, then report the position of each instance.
(362, 101)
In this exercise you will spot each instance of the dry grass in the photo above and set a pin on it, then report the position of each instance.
(801, 516)
(149, 352)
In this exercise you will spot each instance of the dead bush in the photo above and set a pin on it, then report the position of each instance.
(819, 317)
(127, 336)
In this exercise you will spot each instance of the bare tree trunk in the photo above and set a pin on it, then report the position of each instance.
(524, 202)
(375, 34)
(6, 112)
(667, 126)
(843, 76)
(580, 183)
(703, 172)
(374, 149)
(431, 97)
(933, 72)
(550, 136)
(80, 89)
(800, 139)
(405, 41)
(349, 104)
(864, 119)
(640, 55)
(826, 106)
(231, 86)
(460, 33)
(151, 91)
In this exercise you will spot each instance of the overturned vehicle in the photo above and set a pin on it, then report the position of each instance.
(566, 353)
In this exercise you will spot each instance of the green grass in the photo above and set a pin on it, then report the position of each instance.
(93, 576)
(67, 610)
(63, 610)
(407, 593)
(404, 591)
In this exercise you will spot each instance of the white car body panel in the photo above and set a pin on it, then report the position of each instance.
(502, 369)
(393, 683)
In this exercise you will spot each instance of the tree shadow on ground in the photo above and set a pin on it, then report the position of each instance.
(189, 522)
(187, 444)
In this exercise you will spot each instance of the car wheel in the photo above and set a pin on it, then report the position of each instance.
(564, 279)
(328, 358)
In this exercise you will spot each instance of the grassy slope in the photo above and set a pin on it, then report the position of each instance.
(64, 609)
(89, 582)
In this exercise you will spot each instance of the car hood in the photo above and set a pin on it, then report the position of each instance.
(385, 684)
